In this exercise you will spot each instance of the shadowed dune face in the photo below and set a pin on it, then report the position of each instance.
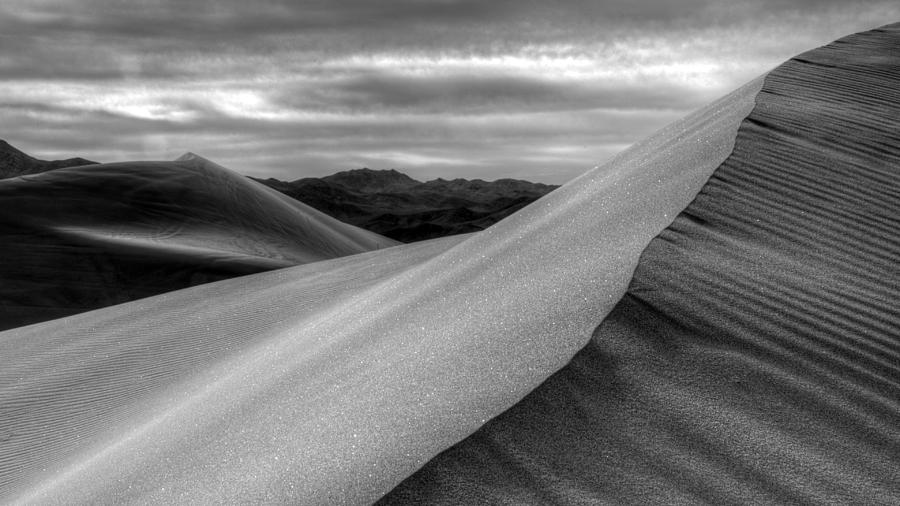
(76, 239)
(330, 382)
(755, 358)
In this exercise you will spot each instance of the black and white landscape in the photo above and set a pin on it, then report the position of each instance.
(709, 317)
(393, 204)
(94, 235)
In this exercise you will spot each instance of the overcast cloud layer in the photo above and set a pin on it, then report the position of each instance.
(436, 88)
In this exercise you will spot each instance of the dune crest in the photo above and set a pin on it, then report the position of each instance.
(80, 238)
(331, 382)
(755, 358)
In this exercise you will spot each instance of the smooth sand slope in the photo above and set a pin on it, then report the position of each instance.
(756, 356)
(76, 239)
(330, 382)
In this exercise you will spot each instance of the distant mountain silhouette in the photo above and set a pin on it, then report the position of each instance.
(731, 283)
(372, 181)
(16, 163)
(81, 238)
(395, 205)
(386, 202)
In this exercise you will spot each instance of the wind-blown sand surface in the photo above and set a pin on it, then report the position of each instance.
(756, 356)
(329, 383)
(76, 239)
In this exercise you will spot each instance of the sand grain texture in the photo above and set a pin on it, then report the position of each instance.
(755, 358)
(322, 384)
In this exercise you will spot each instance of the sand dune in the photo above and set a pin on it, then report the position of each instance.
(753, 357)
(330, 382)
(75, 239)
(756, 356)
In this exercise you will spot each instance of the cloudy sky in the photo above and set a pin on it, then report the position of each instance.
(530, 89)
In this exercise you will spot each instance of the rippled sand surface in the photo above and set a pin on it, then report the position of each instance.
(331, 382)
(755, 358)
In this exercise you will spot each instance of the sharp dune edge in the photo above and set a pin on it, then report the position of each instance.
(330, 382)
(755, 358)
(76, 239)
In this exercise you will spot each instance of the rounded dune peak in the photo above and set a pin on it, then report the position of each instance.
(331, 382)
(190, 156)
(194, 158)
(80, 238)
(406, 349)
(187, 155)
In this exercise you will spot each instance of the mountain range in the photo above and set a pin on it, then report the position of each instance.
(395, 205)
(79, 238)
(79, 235)
(710, 317)
(16, 163)
(386, 202)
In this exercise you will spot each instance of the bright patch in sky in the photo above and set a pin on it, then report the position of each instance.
(446, 89)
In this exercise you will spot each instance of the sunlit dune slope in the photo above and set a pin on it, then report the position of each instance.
(75, 239)
(329, 383)
(756, 356)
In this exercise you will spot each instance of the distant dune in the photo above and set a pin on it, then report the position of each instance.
(708, 318)
(386, 202)
(16, 163)
(395, 205)
(756, 356)
(76, 239)
(331, 382)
